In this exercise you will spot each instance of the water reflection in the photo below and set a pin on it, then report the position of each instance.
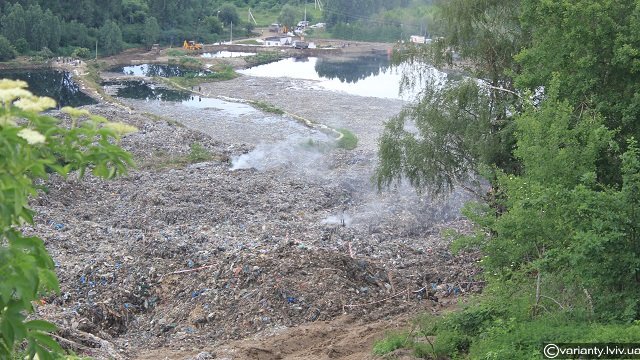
(159, 70)
(58, 85)
(353, 70)
(140, 90)
(365, 76)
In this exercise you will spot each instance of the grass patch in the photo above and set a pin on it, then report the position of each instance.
(248, 42)
(176, 52)
(263, 58)
(197, 154)
(390, 343)
(266, 107)
(348, 141)
(189, 62)
(221, 73)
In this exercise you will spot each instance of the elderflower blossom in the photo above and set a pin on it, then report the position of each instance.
(121, 128)
(33, 137)
(75, 113)
(99, 119)
(35, 104)
(12, 84)
(10, 94)
(7, 121)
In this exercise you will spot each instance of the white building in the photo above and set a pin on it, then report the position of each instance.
(278, 41)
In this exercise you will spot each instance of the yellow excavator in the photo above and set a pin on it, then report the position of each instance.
(191, 45)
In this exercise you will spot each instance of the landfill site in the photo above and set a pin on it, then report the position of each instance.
(277, 245)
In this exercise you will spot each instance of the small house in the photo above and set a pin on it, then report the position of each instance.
(278, 41)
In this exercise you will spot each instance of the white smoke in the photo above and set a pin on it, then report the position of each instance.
(294, 152)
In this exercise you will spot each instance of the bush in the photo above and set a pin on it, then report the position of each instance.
(348, 140)
(82, 53)
(7, 51)
(22, 46)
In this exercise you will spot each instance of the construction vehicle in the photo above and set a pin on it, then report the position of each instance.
(191, 45)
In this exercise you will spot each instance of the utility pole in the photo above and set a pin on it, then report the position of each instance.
(251, 18)
(96, 50)
(231, 34)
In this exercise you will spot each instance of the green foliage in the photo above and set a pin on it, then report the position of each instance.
(417, 143)
(176, 52)
(82, 53)
(390, 343)
(21, 45)
(288, 16)
(360, 31)
(151, 31)
(266, 107)
(110, 38)
(40, 28)
(596, 64)
(7, 51)
(559, 226)
(199, 153)
(347, 140)
(220, 73)
(190, 62)
(212, 25)
(228, 14)
(261, 58)
(33, 145)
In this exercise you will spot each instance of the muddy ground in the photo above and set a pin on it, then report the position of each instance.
(293, 255)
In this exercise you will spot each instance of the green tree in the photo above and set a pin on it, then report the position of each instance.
(288, 16)
(212, 25)
(592, 47)
(14, 23)
(33, 145)
(229, 14)
(111, 38)
(151, 31)
(75, 33)
(463, 127)
(134, 11)
(7, 51)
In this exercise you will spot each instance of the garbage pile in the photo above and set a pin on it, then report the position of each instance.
(193, 254)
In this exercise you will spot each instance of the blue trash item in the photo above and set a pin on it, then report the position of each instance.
(59, 226)
(291, 299)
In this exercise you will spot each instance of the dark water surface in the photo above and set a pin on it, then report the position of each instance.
(55, 84)
(159, 70)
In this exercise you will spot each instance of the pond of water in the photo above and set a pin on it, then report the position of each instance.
(160, 70)
(140, 90)
(58, 85)
(365, 76)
